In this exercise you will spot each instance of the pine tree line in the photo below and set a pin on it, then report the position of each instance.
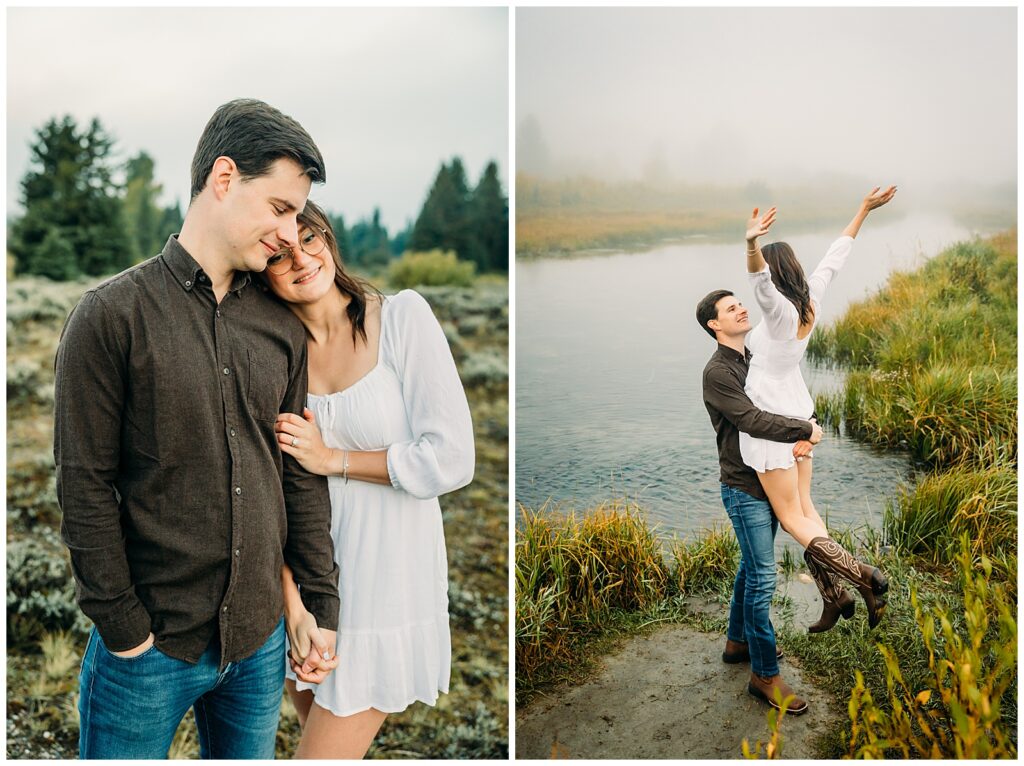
(79, 220)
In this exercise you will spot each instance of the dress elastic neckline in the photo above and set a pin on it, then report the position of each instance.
(380, 345)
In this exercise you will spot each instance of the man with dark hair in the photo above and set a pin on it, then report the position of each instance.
(179, 508)
(750, 635)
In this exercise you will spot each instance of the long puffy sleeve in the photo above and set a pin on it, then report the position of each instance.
(829, 266)
(779, 314)
(440, 456)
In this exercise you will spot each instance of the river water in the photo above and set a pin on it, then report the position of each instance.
(608, 375)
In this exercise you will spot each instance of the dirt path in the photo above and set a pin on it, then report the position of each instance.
(669, 695)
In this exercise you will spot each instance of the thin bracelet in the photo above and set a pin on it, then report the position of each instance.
(344, 467)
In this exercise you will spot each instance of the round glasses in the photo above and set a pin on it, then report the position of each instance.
(312, 241)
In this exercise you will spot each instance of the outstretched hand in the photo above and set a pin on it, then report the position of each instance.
(757, 227)
(877, 198)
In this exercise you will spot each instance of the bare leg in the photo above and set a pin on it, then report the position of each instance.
(338, 737)
(803, 471)
(781, 486)
(301, 701)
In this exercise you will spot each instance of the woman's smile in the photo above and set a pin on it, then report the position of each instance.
(307, 277)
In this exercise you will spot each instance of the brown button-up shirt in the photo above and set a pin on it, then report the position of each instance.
(178, 506)
(732, 411)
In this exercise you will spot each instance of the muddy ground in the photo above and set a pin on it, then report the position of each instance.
(669, 695)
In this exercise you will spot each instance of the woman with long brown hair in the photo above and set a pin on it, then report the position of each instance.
(790, 303)
(389, 425)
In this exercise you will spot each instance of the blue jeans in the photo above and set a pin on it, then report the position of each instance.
(131, 707)
(749, 612)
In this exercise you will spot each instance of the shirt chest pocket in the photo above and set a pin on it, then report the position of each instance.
(267, 384)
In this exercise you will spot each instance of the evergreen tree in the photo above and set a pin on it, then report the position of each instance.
(489, 215)
(141, 213)
(170, 223)
(443, 222)
(369, 241)
(341, 235)
(73, 222)
(400, 242)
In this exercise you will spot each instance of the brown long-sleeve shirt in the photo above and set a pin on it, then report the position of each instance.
(731, 411)
(178, 506)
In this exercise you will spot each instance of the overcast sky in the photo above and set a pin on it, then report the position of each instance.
(386, 94)
(913, 95)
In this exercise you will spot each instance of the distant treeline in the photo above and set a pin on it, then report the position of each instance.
(583, 212)
(579, 213)
(86, 215)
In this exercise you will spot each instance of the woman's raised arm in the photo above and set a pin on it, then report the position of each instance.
(757, 227)
(875, 198)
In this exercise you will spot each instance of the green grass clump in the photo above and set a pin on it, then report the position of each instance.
(571, 570)
(430, 268)
(927, 520)
(705, 563)
(959, 310)
(944, 415)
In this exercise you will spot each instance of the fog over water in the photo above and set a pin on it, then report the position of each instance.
(921, 97)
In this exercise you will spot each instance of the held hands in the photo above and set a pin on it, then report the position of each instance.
(876, 198)
(802, 448)
(300, 438)
(757, 227)
(311, 655)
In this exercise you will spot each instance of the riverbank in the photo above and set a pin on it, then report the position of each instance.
(46, 632)
(947, 644)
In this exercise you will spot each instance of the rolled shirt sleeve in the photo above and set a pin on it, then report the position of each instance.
(440, 457)
(90, 372)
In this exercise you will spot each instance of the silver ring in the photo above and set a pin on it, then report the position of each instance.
(295, 442)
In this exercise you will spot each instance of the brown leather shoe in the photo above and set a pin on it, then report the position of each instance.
(768, 689)
(738, 651)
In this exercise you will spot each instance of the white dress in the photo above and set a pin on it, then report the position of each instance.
(394, 646)
(774, 381)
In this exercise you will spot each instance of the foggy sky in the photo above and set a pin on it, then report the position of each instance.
(903, 95)
(386, 94)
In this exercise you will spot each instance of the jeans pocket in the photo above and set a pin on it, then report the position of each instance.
(135, 658)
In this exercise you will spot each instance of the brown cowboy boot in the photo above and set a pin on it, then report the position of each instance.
(835, 600)
(765, 688)
(739, 651)
(870, 582)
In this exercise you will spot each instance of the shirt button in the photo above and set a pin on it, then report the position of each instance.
(225, 610)
(238, 490)
(218, 312)
(202, 277)
(227, 371)
(232, 431)
(238, 552)
(188, 283)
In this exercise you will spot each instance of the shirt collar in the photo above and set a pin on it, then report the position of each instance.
(188, 272)
(734, 355)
